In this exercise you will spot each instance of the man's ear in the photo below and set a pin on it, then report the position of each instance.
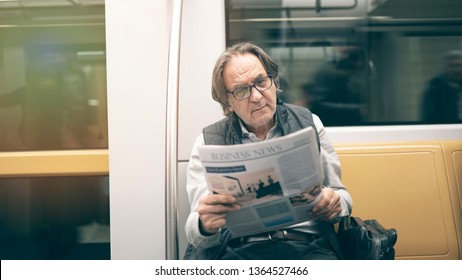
(230, 107)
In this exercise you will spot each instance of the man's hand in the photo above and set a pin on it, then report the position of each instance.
(212, 211)
(329, 207)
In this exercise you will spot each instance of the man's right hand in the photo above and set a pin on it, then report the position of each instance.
(212, 212)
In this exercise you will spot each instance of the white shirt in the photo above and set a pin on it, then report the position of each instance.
(197, 186)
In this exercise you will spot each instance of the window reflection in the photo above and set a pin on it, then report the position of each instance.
(52, 76)
(337, 90)
(54, 218)
(359, 62)
(442, 101)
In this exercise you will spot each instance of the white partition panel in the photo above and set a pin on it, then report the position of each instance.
(137, 36)
(202, 41)
(183, 209)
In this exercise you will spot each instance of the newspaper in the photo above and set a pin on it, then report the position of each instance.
(276, 182)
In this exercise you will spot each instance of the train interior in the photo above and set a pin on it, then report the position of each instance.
(100, 104)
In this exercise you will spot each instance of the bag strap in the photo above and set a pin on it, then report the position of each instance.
(332, 235)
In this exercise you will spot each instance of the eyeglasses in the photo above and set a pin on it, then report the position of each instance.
(261, 84)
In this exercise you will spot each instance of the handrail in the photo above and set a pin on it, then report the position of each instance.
(171, 138)
(317, 7)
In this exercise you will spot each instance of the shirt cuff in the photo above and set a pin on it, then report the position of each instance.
(201, 241)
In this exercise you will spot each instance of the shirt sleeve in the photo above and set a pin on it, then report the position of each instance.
(332, 170)
(197, 188)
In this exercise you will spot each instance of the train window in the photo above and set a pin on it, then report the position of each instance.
(54, 218)
(53, 97)
(52, 75)
(361, 62)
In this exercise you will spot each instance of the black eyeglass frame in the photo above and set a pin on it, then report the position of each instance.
(249, 87)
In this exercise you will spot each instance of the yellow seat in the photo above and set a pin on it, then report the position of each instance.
(414, 187)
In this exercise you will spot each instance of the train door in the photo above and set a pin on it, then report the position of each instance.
(54, 192)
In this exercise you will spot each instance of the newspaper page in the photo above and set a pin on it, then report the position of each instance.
(276, 182)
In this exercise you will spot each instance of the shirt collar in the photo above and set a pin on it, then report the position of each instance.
(248, 137)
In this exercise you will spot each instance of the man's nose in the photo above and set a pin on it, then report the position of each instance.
(255, 95)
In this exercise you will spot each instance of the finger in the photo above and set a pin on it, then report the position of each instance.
(217, 208)
(325, 200)
(329, 201)
(214, 199)
(321, 205)
(211, 217)
(334, 214)
(212, 223)
(333, 206)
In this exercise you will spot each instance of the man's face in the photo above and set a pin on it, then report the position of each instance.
(258, 110)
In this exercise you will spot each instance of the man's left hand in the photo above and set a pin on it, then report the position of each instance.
(329, 207)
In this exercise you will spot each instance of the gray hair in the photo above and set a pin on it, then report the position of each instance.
(219, 93)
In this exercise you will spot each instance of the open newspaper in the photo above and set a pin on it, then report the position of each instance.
(276, 182)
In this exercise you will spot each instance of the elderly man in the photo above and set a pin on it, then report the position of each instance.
(245, 83)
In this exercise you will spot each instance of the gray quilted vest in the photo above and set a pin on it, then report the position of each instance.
(290, 118)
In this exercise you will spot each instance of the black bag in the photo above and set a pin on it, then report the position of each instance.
(366, 240)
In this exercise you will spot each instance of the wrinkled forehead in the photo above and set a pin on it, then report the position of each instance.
(243, 68)
(243, 60)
